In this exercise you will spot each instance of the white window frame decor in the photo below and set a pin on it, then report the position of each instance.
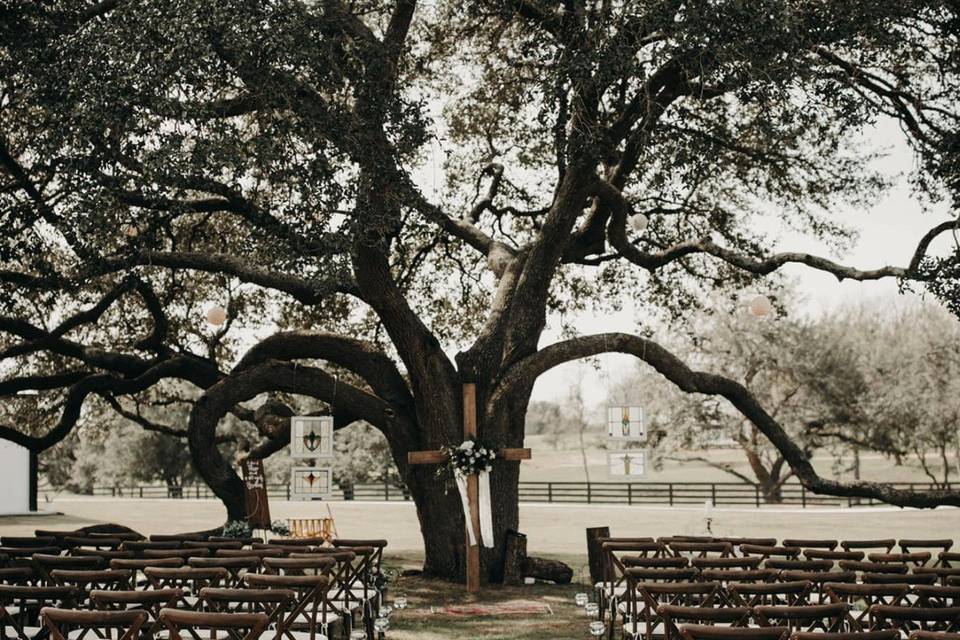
(634, 426)
(323, 474)
(322, 425)
(639, 461)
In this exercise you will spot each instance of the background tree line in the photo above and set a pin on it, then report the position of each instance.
(872, 378)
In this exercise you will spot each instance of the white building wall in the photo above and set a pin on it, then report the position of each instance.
(14, 478)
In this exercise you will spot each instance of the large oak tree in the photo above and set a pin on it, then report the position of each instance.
(375, 185)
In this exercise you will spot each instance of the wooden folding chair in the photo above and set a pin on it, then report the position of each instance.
(908, 619)
(888, 634)
(614, 583)
(770, 551)
(19, 556)
(92, 542)
(297, 542)
(371, 551)
(898, 578)
(357, 583)
(873, 567)
(932, 635)
(943, 574)
(348, 572)
(28, 541)
(22, 575)
(237, 626)
(45, 564)
(246, 540)
(122, 535)
(934, 546)
(106, 554)
(274, 603)
(177, 537)
(738, 542)
(860, 597)
(798, 565)
(137, 547)
(731, 562)
(727, 576)
(269, 552)
(914, 558)
(673, 616)
(56, 535)
(188, 579)
(137, 565)
(824, 618)
(212, 546)
(376, 562)
(642, 600)
(948, 558)
(777, 594)
(150, 602)
(20, 608)
(909, 544)
(701, 549)
(884, 545)
(806, 543)
(935, 596)
(86, 581)
(828, 554)
(707, 632)
(650, 562)
(818, 578)
(312, 611)
(236, 567)
(76, 624)
(184, 554)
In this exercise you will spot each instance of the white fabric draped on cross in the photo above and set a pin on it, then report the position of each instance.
(485, 507)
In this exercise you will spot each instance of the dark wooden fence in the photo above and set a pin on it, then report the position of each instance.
(614, 493)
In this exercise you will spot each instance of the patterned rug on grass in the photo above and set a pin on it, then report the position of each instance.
(513, 607)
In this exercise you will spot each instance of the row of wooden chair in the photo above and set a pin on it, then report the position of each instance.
(804, 572)
(715, 632)
(302, 587)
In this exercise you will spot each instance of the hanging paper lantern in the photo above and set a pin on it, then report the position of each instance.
(760, 306)
(639, 222)
(130, 230)
(216, 315)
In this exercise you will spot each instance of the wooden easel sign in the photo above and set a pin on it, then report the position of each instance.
(255, 494)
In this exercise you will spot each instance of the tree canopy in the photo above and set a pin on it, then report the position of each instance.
(370, 186)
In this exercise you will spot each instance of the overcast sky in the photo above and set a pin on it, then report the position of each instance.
(888, 235)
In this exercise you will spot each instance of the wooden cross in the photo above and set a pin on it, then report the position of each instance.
(473, 482)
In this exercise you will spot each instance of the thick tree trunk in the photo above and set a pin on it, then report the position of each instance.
(438, 502)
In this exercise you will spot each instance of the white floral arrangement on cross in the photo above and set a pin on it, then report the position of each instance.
(468, 458)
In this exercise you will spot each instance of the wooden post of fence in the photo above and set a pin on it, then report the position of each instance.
(629, 493)
(803, 495)
(756, 490)
(589, 494)
(713, 493)
(549, 492)
(670, 493)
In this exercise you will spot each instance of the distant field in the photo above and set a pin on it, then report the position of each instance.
(564, 463)
(553, 530)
